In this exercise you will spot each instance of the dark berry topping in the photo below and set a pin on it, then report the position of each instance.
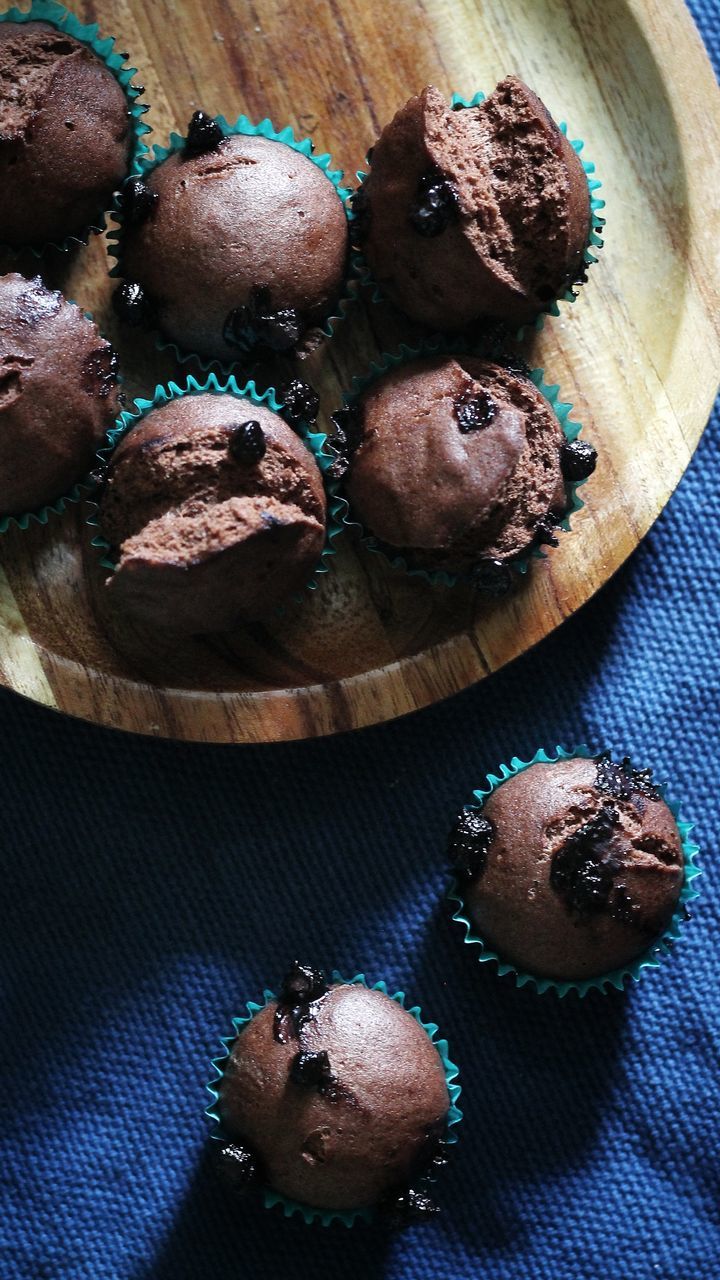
(346, 438)
(261, 324)
(302, 984)
(300, 402)
(289, 1021)
(435, 204)
(546, 530)
(432, 1155)
(624, 908)
(545, 293)
(578, 459)
(493, 577)
(130, 303)
(469, 842)
(622, 781)
(98, 478)
(439, 1160)
(583, 868)
(360, 223)
(580, 277)
(369, 154)
(137, 200)
(247, 442)
(99, 371)
(203, 134)
(279, 330)
(493, 341)
(37, 303)
(237, 1166)
(475, 410)
(410, 1206)
(310, 1069)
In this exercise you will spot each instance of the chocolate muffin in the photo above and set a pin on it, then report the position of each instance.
(457, 463)
(216, 512)
(231, 243)
(483, 211)
(572, 869)
(335, 1097)
(58, 394)
(64, 134)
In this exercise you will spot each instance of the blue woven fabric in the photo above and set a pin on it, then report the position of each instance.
(149, 889)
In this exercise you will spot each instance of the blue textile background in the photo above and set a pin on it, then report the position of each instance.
(148, 889)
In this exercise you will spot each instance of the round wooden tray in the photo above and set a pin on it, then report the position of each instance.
(638, 354)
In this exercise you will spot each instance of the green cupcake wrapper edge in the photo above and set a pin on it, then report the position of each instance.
(165, 392)
(265, 129)
(364, 275)
(291, 1208)
(447, 345)
(615, 978)
(64, 20)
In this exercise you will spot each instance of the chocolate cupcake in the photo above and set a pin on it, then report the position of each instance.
(234, 240)
(572, 869)
(214, 510)
(457, 463)
(336, 1099)
(478, 212)
(66, 134)
(58, 394)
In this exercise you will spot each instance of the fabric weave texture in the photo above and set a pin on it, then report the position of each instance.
(149, 889)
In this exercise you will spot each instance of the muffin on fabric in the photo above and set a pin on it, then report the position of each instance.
(65, 135)
(571, 869)
(58, 394)
(335, 1097)
(216, 511)
(477, 212)
(457, 463)
(231, 243)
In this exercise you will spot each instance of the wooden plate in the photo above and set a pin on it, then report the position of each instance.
(638, 354)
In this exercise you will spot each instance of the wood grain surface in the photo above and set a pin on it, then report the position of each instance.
(638, 354)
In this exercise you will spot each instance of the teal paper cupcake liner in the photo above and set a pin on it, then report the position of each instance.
(445, 345)
(597, 223)
(61, 18)
(80, 490)
(265, 129)
(43, 514)
(616, 978)
(315, 441)
(292, 1208)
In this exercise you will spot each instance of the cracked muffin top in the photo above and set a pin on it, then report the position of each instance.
(482, 211)
(58, 394)
(216, 512)
(64, 134)
(571, 869)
